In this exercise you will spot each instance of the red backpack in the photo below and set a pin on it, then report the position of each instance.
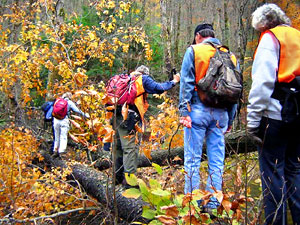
(121, 88)
(60, 108)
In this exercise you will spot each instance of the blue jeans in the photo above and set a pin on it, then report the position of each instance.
(279, 161)
(209, 123)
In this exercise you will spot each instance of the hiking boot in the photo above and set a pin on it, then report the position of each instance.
(55, 155)
(209, 211)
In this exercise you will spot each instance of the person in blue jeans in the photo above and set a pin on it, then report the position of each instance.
(201, 121)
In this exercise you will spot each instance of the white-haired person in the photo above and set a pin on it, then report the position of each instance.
(62, 125)
(275, 71)
(127, 148)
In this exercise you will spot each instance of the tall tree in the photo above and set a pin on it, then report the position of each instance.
(166, 37)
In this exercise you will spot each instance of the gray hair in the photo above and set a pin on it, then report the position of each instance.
(268, 16)
(67, 95)
(143, 69)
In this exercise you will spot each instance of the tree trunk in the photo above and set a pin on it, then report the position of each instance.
(236, 143)
(177, 34)
(166, 37)
(94, 184)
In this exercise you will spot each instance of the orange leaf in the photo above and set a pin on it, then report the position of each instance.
(125, 108)
(186, 199)
(109, 115)
(75, 124)
(166, 220)
(138, 128)
(171, 210)
(74, 138)
(110, 108)
(227, 205)
(109, 135)
(77, 117)
(191, 219)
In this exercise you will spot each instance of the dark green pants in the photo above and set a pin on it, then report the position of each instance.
(127, 148)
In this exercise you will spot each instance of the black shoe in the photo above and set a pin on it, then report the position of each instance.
(209, 211)
(55, 155)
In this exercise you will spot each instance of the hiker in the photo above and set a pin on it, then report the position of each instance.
(275, 70)
(201, 121)
(47, 108)
(127, 149)
(61, 122)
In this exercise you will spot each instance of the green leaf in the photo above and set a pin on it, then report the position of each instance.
(143, 187)
(154, 184)
(157, 168)
(155, 222)
(148, 213)
(160, 192)
(131, 179)
(132, 193)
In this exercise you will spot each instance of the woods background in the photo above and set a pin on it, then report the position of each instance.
(48, 47)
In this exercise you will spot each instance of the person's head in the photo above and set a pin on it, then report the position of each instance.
(268, 16)
(202, 31)
(67, 95)
(143, 70)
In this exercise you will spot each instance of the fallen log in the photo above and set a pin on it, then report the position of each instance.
(94, 183)
(236, 143)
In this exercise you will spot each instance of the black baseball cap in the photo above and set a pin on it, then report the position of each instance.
(200, 27)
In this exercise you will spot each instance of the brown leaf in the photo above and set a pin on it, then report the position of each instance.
(219, 195)
(234, 205)
(227, 205)
(191, 219)
(108, 138)
(238, 180)
(77, 125)
(187, 199)
(166, 220)
(204, 217)
(74, 138)
(171, 210)
(77, 117)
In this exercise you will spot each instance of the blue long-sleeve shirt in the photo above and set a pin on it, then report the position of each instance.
(153, 87)
(188, 82)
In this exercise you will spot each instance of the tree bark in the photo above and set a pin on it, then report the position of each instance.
(94, 184)
(236, 143)
(166, 37)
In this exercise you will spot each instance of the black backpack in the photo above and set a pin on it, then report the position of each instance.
(222, 85)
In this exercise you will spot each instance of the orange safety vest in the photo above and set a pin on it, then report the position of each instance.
(203, 53)
(289, 58)
(141, 99)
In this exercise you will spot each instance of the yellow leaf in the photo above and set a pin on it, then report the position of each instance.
(132, 193)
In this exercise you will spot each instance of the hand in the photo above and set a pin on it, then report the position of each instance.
(86, 115)
(229, 128)
(186, 121)
(253, 135)
(176, 78)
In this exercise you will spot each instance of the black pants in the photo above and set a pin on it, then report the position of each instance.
(279, 160)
